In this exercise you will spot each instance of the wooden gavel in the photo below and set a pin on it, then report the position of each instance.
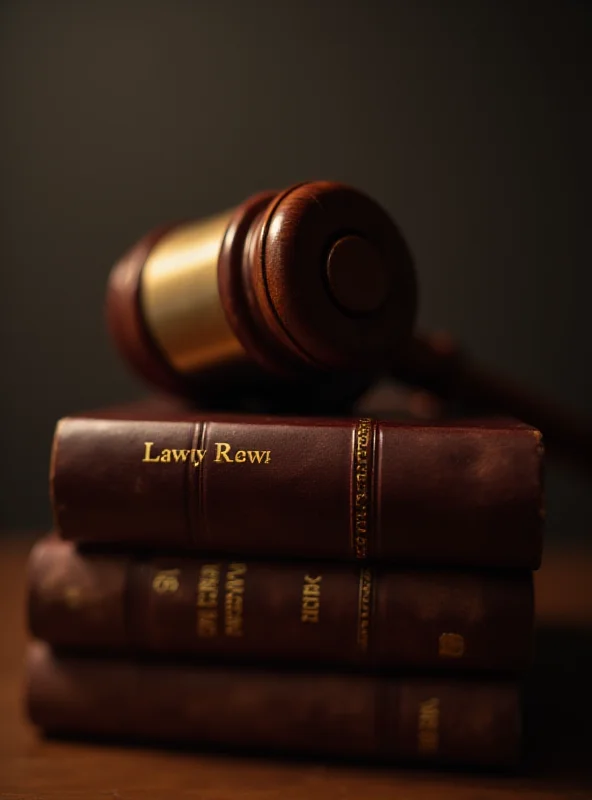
(297, 301)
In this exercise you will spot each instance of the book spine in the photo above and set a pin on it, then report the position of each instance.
(427, 720)
(340, 489)
(301, 612)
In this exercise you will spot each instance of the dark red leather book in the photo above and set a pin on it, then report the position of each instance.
(460, 494)
(301, 612)
(398, 719)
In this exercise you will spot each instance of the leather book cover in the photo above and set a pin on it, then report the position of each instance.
(302, 612)
(429, 720)
(466, 493)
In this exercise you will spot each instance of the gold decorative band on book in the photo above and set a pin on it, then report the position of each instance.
(364, 608)
(361, 505)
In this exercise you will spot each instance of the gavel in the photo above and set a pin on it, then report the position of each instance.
(296, 302)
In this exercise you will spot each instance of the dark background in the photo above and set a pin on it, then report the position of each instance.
(469, 121)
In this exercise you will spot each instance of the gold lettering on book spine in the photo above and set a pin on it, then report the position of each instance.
(166, 581)
(233, 599)
(363, 446)
(311, 598)
(451, 645)
(428, 726)
(207, 600)
(364, 609)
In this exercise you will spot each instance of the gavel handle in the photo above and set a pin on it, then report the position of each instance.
(437, 364)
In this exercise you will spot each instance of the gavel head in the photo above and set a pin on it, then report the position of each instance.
(310, 282)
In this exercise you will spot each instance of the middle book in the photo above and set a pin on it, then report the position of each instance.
(308, 612)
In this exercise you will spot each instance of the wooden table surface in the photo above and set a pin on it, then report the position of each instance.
(559, 764)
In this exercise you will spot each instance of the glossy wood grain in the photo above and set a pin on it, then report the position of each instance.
(560, 739)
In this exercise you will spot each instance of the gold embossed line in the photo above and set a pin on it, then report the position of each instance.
(194, 488)
(363, 458)
(364, 608)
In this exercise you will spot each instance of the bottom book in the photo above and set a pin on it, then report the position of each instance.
(402, 719)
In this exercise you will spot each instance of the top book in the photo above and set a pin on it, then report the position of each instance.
(153, 476)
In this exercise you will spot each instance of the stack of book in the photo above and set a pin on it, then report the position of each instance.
(351, 587)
